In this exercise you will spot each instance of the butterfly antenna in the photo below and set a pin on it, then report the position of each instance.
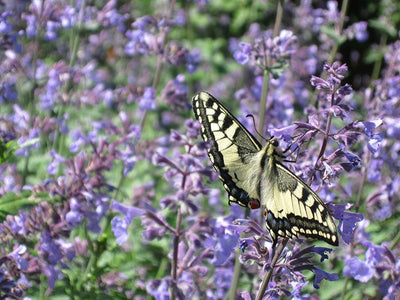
(255, 127)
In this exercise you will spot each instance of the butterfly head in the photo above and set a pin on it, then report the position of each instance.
(273, 142)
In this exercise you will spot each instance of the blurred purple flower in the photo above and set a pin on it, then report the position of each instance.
(242, 55)
(358, 269)
(7, 92)
(175, 93)
(159, 289)
(31, 28)
(49, 97)
(374, 139)
(50, 249)
(226, 240)
(192, 60)
(358, 31)
(347, 222)
(52, 168)
(51, 30)
(16, 256)
(148, 99)
(68, 17)
(119, 225)
(74, 216)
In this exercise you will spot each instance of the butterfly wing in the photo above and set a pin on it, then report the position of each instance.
(253, 175)
(232, 148)
(294, 209)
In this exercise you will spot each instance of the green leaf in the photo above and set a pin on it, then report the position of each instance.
(333, 34)
(383, 27)
(7, 150)
(11, 203)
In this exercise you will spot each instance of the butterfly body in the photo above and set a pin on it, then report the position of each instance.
(254, 176)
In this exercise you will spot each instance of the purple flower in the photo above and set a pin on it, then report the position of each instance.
(242, 55)
(50, 249)
(74, 216)
(119, 225)
(175, 93)
(159, 289)
(68, 17)
(320, 275)
(358, 269)
(49, 97)
(8, 92)
(51, 30)
(31, 29)
(148, 99)
(52, 168)
(347, 222)
(16, 256)
(192, 60)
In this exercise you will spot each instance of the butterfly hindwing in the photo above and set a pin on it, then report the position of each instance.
(232, 146)
(295, 209)
(254, 175)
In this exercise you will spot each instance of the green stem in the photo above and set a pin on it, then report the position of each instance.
(361, 186)
(32, 104)
(59, 139)
(267, 278)
(343, 12)
(175, 254)
(395, 241)
(326, 137)
(346, 283)
(231, 295)
(278, 19)
(378, 63)
(263, 102)
(160, 59)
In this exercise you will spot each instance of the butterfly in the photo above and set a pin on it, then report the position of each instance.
(253, 175)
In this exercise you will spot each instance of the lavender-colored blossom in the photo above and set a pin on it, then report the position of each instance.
(148, 100)
(347, 222)
(159, 289)
(8, 92)
(51, 30)
(242, 55)
(227, 240)
(48, 99)
(358, 269)
(68, 17)
(119, 227)
(175, 93)
(320, 275)
(192, 60)
(52, 168)
(16, 256)
(31, 30)
(358, 31)
(74, 216)
(50, 249)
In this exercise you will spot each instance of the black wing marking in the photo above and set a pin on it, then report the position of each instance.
(232, 147)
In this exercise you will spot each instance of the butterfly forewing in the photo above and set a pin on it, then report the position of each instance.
(253, 174)
(232, 147)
